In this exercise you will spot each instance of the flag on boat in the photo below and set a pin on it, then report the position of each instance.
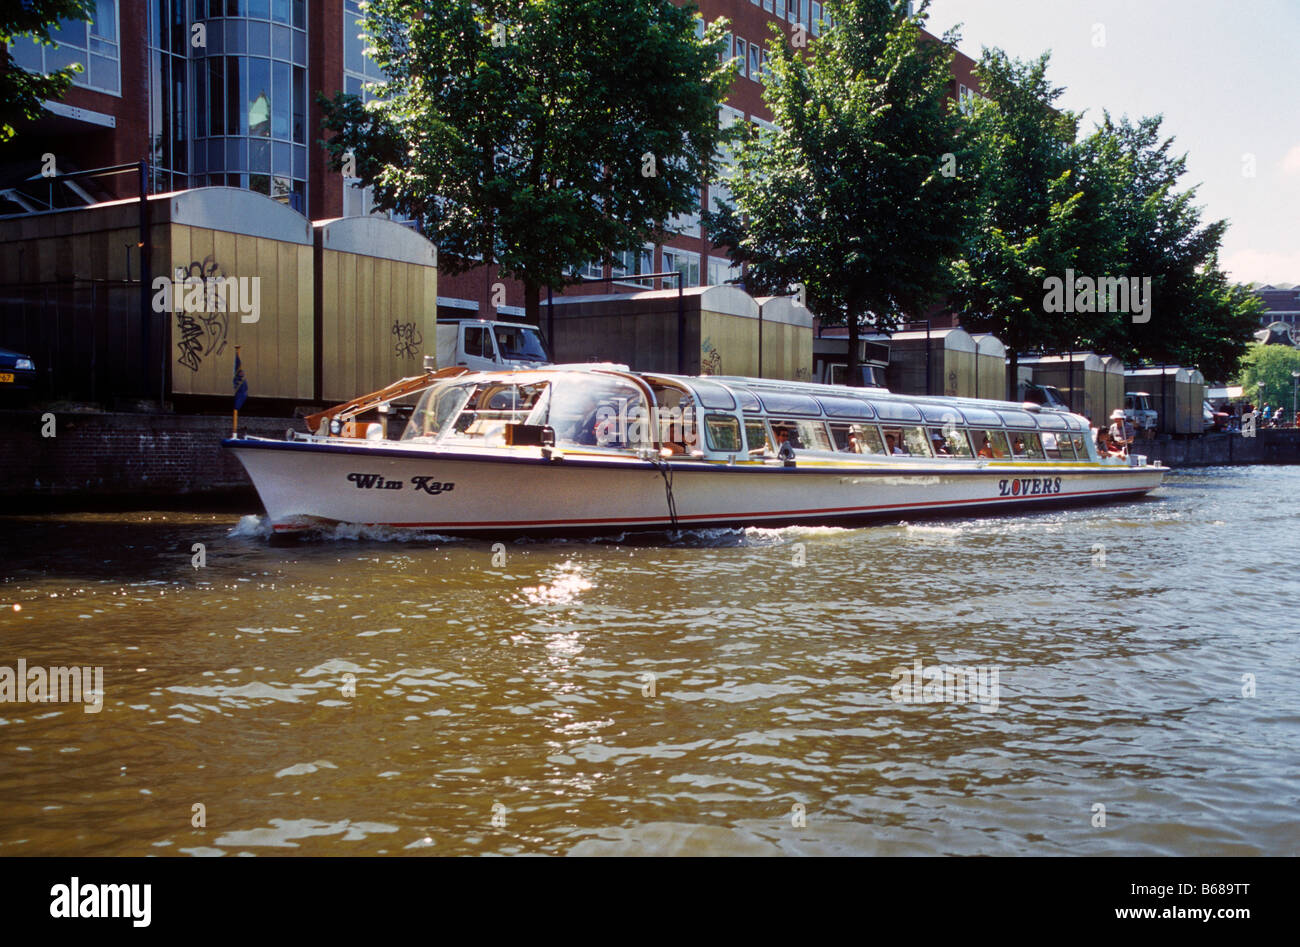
(240, 383)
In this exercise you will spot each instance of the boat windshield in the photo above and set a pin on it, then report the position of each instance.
(475, 412)
(584, 409)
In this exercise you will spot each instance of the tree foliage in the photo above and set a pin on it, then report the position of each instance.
(1273, 365)
(1030, 222)
(1109, 205)
(849, 196)
(535, 135)
(21, 92)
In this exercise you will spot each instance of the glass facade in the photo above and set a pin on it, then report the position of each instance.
(250, 96)
(94, 46)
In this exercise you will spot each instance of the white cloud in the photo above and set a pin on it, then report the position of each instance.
(1263, 266)
(1291, 163)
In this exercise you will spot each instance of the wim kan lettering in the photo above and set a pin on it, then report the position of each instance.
(429, 485)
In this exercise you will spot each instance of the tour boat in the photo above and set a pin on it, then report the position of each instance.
(598, 449)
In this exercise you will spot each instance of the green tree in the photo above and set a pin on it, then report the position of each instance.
(535, 135)
(1153, 231)
(1031, 221)
(861, 194)
(1273, 365)
(21, 92)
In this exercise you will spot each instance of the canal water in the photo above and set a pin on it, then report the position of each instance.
(1132, 686)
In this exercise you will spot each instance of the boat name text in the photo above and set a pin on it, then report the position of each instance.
(1029, 486)
(364, 481)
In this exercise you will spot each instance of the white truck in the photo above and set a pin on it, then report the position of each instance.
(1140, 413)
(485, 344)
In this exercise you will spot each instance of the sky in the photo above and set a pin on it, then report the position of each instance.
(1223, 73)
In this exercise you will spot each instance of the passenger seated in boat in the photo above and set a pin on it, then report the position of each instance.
(854, 447)
(892, 446)
(986, 449)
(1018, 448)
(940, 446)
(785, 448)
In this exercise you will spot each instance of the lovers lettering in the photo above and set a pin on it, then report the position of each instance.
(1029, 486)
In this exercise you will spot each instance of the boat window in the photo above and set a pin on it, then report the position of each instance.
(723, 431)
(804, 435)
(916, 442)
(906, 441)
(981, 417)
(1081, 446)
(598, 411)
(846, 408)
(865, 438)
(896, 411)
(1017, 419)
(783, 402)
(436, 409)
(1026, 444)
(713, 395)
(756, 435)
(1064, 444)
(748, 401)
(990, 443)
(950, 441)
(1052, 422)
(1051, 446)
(941, 414)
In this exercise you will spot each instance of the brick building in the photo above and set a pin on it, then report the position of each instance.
(222, 92)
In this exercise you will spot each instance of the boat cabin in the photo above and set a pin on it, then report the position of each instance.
(606, 409)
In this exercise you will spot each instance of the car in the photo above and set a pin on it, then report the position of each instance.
(17, 371)
(1214, 420)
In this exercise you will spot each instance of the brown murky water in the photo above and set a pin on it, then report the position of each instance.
(727, 693)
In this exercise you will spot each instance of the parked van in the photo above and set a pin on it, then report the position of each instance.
(1046, 395)
(1138, 410)
(485, 345)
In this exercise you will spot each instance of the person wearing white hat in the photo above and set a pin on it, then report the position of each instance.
(1122, 431)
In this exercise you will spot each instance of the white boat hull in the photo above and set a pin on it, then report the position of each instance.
(304, 484)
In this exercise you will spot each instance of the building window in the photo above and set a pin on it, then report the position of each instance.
(780, 8)
(722, 271)
(629, 263)
(741, 49)
(93, 46)
(767, 5)
(684, 262)
(816, 19)
(755, 62)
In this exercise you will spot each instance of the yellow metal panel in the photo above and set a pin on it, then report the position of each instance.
(306, 322)
(288, 347)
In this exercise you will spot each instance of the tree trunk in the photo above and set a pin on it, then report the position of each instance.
(853, 374)
(532, 304)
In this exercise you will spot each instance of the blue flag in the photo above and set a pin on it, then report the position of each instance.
(240, 383)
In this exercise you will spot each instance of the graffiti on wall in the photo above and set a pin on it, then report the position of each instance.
(201, 331)
(711, 363)
(406, 340)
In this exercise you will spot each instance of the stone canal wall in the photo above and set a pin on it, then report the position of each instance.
(92, 458)
(1213, 450)
(95, 457)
